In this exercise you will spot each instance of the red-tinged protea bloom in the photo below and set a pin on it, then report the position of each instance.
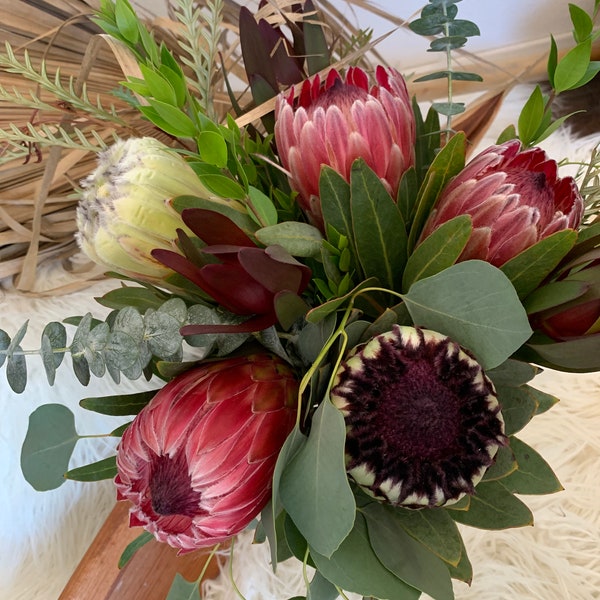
(197, 462)
(578, 314)
(336, 122)
(515, 198)
(422, 419)
(246, 280)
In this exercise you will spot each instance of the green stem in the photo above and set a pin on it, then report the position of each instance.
(449, 68)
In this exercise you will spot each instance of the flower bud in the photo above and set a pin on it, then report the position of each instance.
(515, 199)
(335, 123)
(423, 423)
(124, 211)
(197, 462)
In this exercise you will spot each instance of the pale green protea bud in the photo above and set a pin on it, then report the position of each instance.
(124, 212)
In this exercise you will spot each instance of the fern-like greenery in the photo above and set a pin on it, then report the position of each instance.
(200, 38)
(63, 93)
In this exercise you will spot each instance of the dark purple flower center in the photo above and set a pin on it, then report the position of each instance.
(171, 489)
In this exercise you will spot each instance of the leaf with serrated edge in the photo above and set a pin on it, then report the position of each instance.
(315, 475)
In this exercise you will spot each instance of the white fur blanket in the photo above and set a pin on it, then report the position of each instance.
(44, 535)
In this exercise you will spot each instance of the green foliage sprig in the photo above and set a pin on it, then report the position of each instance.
(438, 19)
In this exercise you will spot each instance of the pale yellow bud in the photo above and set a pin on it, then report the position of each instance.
(125, 207)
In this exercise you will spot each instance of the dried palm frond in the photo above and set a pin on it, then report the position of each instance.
(60, 103)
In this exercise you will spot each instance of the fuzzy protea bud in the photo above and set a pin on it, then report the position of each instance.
(336, 122)
(515, 198)
(197, 462)
(124, 211)
(422, 419)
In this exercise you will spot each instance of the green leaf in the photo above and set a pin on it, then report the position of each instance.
(577, 355)
(182, 589)
(170, 119)
(133, 547)
(434, 529)
(447, 163)
(261, 208)
(474, 304)
(16, 371)
(530, 267)
(463, 571)
(298, 239)
(212, 148)
(334, 192)
(315, 476)
(449, 109)
(504, 464)
(159, 87)
(118, 405)
(315, 43)
(356, 568)
(543, 400)
(533, 474)
(4, 345)
(102, 469)
(552, 60)
(378, 228)
(438, 251)
(49, 443)
(493, 507)
(126, 21)
(512, 373)
(321, 589)
(531, 116)
(57, 338)
(554, 294)
(320, 312)
(161, 331)
(518, 407)
(404, 556)
(572, 67)
(582, 23)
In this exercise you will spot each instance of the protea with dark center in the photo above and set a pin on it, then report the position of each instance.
(515, 198)
(197, 462)
(335, 122)
(423, 421)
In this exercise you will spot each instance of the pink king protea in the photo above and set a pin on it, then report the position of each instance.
(197, 462)
(515, 198)
(335, 123)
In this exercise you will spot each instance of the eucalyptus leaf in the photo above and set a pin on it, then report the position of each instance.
(404, 556)
(182, 589)
(118, 405)
(356, 568)
(493, 507)
(133, 547)
(315, 475)
(161, 331)
(48, 446)
(97, 471)
(4, 345)
(48, 359)
(56, 335)
(474, 304)
(16, 371)
(533, 474)
(321, 588)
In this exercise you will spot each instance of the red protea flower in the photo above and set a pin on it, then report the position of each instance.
(515, 198)
(198, 460)
(423, 423)
(246, 280)
(342, 120)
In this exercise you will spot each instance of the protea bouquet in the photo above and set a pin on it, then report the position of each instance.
(341, 314)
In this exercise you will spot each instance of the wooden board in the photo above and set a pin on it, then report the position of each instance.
(147, 576)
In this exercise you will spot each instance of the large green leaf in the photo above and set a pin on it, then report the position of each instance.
(494, 507)
(529, 268)
(518, 407)
(378, 229)
(433, 528)
(404, 556)
(355, 567)
(334, 192)
(182, 589)
(97, 471)
(474, 304)
(49, 443)
(577, 355)
(533, 474)
(438, 251)
(314, 487)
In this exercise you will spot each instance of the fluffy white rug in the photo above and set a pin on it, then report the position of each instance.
(44, 535)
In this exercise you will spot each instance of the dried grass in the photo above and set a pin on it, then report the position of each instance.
(37, 200)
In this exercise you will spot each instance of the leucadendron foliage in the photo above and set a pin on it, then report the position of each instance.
(364, 323)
